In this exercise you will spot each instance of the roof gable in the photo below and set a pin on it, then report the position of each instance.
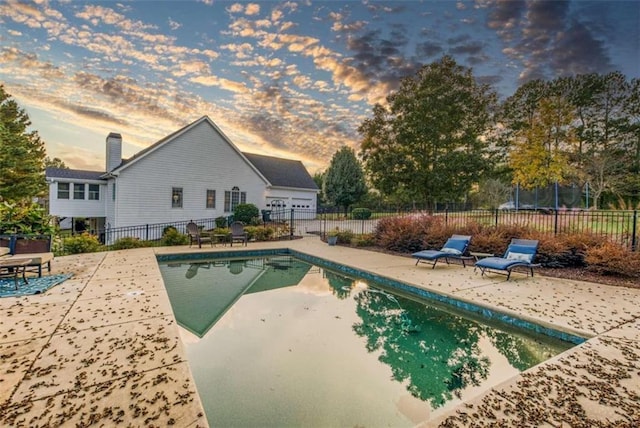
(171, 137)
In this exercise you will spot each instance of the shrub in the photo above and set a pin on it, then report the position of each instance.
(344, 236)
(25, 218)
(221, 222)
(171, 236)
(167, 229)
(246, 213)
(361, 213)
(612, 259)
(402, 234)
(129, 242)
(566, 250)
(260, 233)
(84, 243)
(366, 240)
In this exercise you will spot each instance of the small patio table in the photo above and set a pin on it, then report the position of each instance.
(220, 238)
(14, 267)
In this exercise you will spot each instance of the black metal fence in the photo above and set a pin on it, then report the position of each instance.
(148, 232)
(618, 226)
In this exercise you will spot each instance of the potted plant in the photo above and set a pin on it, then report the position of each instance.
(332, 236)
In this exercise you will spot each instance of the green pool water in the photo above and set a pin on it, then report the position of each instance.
(276, 341)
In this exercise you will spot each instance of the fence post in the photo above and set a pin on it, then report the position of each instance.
(446, 216)
(634, 237)
(291, 223)
(496, 214)
(146, 232)
(555, 221)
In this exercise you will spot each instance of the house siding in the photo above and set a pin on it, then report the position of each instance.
(76, 207)
(196, 161)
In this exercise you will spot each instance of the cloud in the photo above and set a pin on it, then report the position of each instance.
(548, 39)
(252, 9)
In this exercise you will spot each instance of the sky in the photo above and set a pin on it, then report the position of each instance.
(292, 79)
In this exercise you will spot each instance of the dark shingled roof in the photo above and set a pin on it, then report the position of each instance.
(282, 172)
(73, 174)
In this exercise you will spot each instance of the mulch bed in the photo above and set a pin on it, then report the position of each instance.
(582, 274)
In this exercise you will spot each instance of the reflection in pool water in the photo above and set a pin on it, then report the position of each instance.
(278, 342)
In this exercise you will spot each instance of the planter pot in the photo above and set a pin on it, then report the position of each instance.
(332, 240)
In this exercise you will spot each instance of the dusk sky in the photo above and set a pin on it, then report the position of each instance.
(291, 79)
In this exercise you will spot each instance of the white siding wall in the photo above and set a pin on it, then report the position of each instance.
(110, 204)
(198, 160)
(76, 207)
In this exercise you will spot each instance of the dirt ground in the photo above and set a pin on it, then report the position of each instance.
(584, 275)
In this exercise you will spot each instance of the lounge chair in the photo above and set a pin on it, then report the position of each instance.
(196, 236)
(454, 248)
(519, 254)
(238, 233)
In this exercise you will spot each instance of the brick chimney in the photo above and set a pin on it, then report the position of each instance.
(114, 151)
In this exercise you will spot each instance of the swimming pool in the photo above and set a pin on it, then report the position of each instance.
(279, 341)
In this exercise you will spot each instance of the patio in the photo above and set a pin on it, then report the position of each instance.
(104, 347)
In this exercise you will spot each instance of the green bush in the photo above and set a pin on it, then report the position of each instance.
(344, 236)
(361, 213)
(366, 240)
(84, 243)
(260, 233)
(246, 213)
(25, 219)
(128, 243)
(171, 237)
(167, 229)
(221, 222)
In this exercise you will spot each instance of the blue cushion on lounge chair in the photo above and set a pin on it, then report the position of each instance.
(497, 263)
(523, 253)
(429, 254)
(520, 253)
(454, 248)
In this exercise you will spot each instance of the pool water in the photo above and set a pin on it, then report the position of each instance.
(276, 341)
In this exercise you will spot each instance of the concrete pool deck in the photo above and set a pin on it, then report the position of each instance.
(104, 348)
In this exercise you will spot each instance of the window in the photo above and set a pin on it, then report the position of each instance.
(211, 199)
(176, 197)
(78, 190)
(63, 190)
(233, 198)
(94, 192)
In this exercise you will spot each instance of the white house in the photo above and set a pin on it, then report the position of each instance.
(193, 173)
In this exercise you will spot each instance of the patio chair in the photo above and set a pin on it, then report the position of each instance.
(238, 233)
(196, 236)
(454, 248)
(519, 254)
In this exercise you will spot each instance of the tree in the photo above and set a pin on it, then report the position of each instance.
(344, 179)
(539, 154)
(54, 163)
(491, 193)
(603, 156)
(22, 154)
(429, 141)
(318, 178)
